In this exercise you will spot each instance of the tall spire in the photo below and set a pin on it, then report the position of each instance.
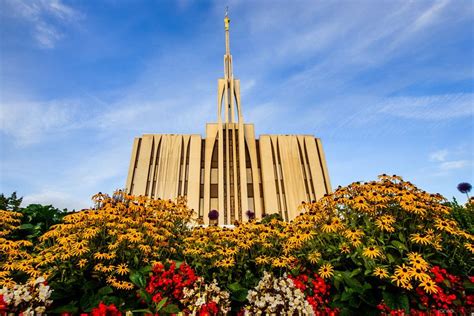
(228, 98)
(228, 58)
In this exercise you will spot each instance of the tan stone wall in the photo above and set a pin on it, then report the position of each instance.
(292, 169)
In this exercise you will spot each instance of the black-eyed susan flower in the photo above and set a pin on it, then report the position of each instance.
(403, 271)
(429, 286)
(122, 269)
(261, 260)
(82, 263)
(417, 261)
(421, 238)
(314, 257)
(384, 223)
(279, 263)
(371, 252)
(226, 262)
(380, 272)
(418, 274)
(326, 271)
(445, 225)
(353, 233)
(356, 242)
(400, 281)
(469, 247)
(344, 248)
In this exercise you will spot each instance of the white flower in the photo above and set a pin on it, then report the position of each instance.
(272, 295)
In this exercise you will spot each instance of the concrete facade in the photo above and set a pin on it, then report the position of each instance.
(230, 171)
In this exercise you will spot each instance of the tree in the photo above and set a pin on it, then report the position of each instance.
(11, 203)
(37, 219)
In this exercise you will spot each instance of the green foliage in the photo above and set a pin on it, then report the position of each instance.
(37, 219)
(11, 203)
(464, 215)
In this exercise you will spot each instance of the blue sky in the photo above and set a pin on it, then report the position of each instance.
(387, 86)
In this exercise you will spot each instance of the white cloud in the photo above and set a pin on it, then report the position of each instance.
(433, 107)
(439, 155)
(46, 17)
(29, 122)
(58, 199)
(453, 165)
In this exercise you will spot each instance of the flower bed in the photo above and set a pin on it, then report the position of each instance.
(383, 247)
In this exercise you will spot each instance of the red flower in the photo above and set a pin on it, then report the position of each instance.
(104, 310)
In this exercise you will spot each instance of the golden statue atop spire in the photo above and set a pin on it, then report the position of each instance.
(226, 19)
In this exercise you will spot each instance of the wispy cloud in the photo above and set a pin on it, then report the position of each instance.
(452, 165)
(48, 18)
(29, 122)
(433, 107)
(444, 162)
(439, 155)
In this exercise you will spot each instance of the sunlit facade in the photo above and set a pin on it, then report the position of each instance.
(230, 170)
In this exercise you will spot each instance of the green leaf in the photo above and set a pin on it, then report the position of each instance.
(390, 258)
(161, 303)
(71, 308)
(346, 295)
(234, 287)
(404, 302)
(401, 237)
(105, 291)
(351, 282)
(337, 284)
(240, 295)
(26, 226)
(145, 270)
(146, 311)
(138, 279)
(171, 309)
(355, 272)
(468, 285)
(396, 300)
(390, 299)
(178, 264)
(399, 245)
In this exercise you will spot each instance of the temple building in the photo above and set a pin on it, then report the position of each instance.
(230, 170)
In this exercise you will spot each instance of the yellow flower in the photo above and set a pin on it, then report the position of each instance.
(108, 268)
(314, 257)
(82, 263)
(429, 286)
(279, 263)
(9, 266)
(381, 272)
(100, 255)
(123, 285)
(353, 233)
(421, 238)
(400, 281)
(344, 248)
(418, 274)
(403, 271)
(122, 269)
(384, 223)
(228, 251)
(328, 228)
(469, 247)
(356, 242)
(417, 261)
(226, 262)
(297, 240)
(261, 260)
(326, 270)
(446, 225)
(371, 252)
